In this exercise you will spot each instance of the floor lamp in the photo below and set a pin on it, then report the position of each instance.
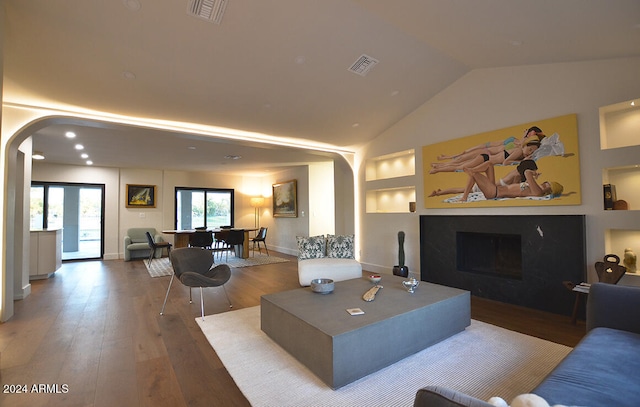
(257, 203)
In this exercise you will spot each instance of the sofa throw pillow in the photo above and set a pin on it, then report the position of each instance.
(340, 246)
(312, 247)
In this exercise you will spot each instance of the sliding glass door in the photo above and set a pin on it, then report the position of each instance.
(77, 209)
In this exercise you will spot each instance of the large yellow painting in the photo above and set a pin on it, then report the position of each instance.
(529, 164)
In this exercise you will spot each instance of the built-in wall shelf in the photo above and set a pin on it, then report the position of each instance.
(627, 184)
(391, 182)
(620, 124)
(620, 153)
(390, 200)
(400, 164)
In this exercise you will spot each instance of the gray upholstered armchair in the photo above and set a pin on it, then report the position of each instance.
(194, 268)
(137, 246)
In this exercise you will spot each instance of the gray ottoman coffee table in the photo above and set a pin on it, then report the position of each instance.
(339, 347)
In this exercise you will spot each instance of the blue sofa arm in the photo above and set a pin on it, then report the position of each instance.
(613, 306)
(437, 396)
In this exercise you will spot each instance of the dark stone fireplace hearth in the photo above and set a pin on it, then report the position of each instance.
(517, 259)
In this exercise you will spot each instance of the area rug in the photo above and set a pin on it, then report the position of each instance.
(162, 266)
(483, 361)
(159, 267)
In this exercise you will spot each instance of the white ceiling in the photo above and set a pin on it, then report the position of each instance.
(277, 67)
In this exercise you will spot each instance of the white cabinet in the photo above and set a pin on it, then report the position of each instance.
(46, 253)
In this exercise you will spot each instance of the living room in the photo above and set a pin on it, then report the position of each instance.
(481, 100)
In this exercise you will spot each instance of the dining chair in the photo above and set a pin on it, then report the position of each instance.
(261, 236)
(153, 245)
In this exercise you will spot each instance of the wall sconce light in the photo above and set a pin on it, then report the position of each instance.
(412, 206)
(37, 155)
(257, 203)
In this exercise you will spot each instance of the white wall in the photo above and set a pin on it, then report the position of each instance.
(489, 99)
(321, 211)
(282, 232)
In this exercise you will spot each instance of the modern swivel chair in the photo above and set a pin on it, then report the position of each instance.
(194, 268)
(261, 236)
(153, 245)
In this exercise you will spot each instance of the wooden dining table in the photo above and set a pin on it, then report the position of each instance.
(181, 238)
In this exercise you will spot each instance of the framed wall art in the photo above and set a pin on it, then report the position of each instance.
(285, 199)
(531, 164)
(141, 196)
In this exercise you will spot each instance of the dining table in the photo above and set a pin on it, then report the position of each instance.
(181, 238)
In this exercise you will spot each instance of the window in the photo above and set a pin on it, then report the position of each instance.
(203, 207)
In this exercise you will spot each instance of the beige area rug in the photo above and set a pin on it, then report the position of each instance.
(162, 266)
(483, 361)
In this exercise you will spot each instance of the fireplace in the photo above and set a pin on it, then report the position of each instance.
(517, 259)
(489, 253)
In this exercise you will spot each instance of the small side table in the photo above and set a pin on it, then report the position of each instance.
(582, 291)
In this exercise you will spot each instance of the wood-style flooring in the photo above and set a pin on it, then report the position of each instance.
(92, 336)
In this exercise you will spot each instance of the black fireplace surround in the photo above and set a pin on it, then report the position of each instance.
(551, 250)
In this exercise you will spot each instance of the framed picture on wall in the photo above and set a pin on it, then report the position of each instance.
(285, 199)
(141, 196)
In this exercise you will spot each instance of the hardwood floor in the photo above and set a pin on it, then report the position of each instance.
(93, 333)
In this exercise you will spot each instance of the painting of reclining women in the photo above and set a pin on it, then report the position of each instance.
(530, 164)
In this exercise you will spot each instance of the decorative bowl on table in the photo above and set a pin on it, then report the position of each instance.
(322, 285)
(375, 279)
(411, 284)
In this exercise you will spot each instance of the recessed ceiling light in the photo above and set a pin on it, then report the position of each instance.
(191, 148)
(79, 147)
(84, 156)
(133, 5)
(37, 155)
(232, 157)
(300, 60)
(70, 134)
(89, 162)
(395, 93)
(129, 75)
(515, 43)
(354, 125)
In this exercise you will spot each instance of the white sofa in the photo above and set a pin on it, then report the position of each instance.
(328, 267)
(327, 257)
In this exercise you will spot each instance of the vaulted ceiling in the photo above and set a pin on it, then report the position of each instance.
(276, 67)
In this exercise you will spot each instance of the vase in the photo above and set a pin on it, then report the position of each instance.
(402, 271)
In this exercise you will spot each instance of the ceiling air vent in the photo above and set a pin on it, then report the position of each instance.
(210, 10)
(363, 65)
